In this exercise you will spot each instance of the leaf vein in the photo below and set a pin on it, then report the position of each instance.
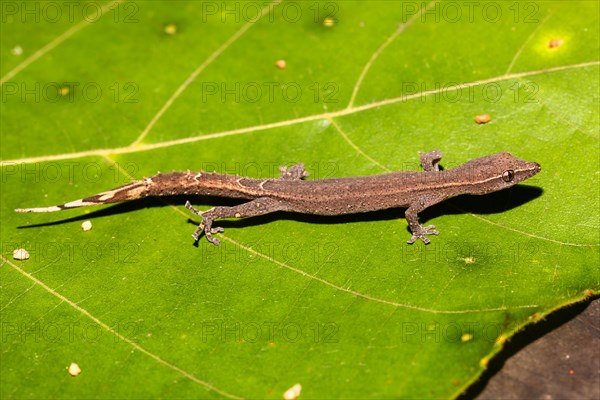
(214, 55)
(117, 334)
(55, 42)
(315, 117)
(401, 28)
(367, 296)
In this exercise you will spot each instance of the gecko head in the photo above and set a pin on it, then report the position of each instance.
(500, 171)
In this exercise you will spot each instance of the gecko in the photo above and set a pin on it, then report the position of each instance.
(413, 190)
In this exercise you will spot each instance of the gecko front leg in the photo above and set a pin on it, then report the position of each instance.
(260, 206)
(419, 231)
(430, 160)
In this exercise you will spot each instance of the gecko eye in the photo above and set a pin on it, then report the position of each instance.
(508, 176)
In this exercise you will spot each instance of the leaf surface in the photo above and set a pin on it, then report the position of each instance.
(340, 305)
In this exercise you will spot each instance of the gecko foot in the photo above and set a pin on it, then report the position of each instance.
(205, 226)
(430, 160)
(208, 231)
(420, 233)
(294, 172)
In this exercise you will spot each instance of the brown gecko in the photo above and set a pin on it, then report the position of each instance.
(414, 191)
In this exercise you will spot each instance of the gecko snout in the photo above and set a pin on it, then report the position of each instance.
(533, 169)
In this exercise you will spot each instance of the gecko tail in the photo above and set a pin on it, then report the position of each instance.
(60, 207)
(130, 191)
(40, 209)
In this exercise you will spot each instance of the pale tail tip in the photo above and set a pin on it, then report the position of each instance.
(44, 209)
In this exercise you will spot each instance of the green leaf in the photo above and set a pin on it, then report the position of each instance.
(342, 306)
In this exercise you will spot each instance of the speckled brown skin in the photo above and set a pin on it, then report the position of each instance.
(414, 191)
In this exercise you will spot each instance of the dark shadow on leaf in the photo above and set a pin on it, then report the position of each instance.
(492, 203)
(521, 339)
(135, 205)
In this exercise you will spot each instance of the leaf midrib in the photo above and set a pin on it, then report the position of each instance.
(323, 116)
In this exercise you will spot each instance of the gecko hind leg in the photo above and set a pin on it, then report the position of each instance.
(294, 172)
(260, 206)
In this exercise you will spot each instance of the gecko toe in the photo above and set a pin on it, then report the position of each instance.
(198, 232)
(420, 233)
(213, 240)
(430, 230)
(208, 231)
(189, 206)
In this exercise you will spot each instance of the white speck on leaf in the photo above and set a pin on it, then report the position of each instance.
(20, 254)
(74, 369)
(86, 225)
(293, 392)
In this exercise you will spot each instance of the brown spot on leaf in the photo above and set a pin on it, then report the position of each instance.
(483, 118)
(554, 43)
